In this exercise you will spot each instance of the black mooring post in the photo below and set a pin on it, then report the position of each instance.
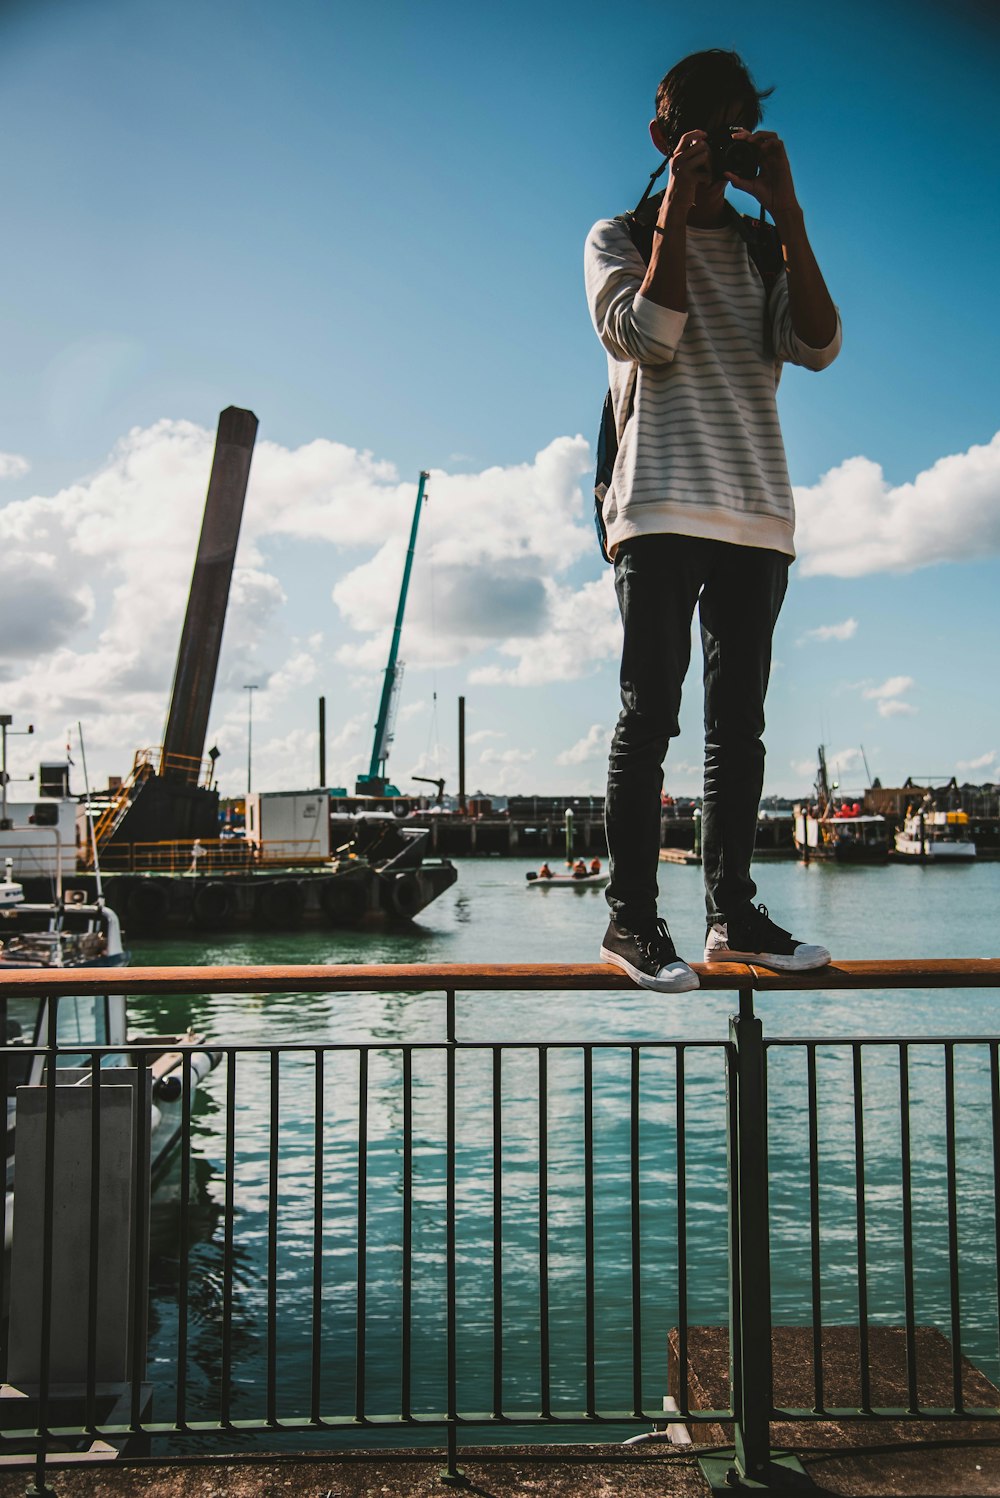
(201, 637)
(461, 755)
(322, 742)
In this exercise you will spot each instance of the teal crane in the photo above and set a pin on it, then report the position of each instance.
(375, 783)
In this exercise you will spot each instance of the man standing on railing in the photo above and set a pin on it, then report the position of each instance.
(698, 308)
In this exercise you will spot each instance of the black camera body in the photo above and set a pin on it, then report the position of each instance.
(741, 157)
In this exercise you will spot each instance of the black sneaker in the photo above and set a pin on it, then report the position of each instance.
(754, 938)
(649, 957)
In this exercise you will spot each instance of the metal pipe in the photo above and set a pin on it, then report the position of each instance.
(201, 637)
(461, 755)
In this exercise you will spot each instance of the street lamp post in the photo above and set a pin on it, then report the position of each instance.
(250, 690)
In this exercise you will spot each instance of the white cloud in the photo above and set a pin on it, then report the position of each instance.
(889, 696)
(94, 578)
(507, 756)
(982, 762)
(482, 734)
(13, 466)
(892, 687)
(846, 630)
(852, 522)
(583, 632)
(489, 545)
(593, 745)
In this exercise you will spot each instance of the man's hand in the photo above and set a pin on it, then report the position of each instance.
(690, 165)
(773, 188)
(814, 317)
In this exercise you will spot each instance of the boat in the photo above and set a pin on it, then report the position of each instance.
(844, 839)
(841, 834)
(566, 881)
(72, 932)
(933, 836)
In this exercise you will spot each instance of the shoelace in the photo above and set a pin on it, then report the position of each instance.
(763, 924)
(656, 942)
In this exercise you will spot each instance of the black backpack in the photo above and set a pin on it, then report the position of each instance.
(763, 247)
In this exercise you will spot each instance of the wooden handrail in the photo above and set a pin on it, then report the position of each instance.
(421, 977)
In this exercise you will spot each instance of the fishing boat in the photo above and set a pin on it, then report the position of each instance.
(842, 834)
(933, 836)
(70, 932)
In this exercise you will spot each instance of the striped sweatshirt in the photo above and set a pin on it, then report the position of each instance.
(702, 453)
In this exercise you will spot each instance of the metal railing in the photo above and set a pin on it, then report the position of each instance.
(206, 856)
(497, 1235)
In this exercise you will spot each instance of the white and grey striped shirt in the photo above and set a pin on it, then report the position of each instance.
(702, 454)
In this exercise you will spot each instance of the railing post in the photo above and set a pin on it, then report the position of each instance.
(751, 1462)
(749, 1250)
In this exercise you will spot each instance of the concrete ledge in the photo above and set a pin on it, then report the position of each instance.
(653, 1471)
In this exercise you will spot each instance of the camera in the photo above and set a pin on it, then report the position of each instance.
(741, 157)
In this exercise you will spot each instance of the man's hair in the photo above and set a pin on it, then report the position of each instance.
(699, 85)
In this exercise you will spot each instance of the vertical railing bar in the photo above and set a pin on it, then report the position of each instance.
(362, 1287)
(736, 1395)
(94, 1237)
(4, 1147)
(451, 1256)
(814, 1228)
(319, 1109)
(183, 1267)
(228, 1253)
(906, 1182)
(995, 1131)
(48, 1217)
(751, 1359)
(272, 1240)
(449, 1223)
(588, 1228)
(859, 1187)
(544, 1349)
(683, 1391)
(953, 1267)
(141, 1207)
(636, 1227)
(497, 1233)
(4, 1141)
(406, 1309)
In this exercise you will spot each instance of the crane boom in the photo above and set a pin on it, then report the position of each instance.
(373, 782)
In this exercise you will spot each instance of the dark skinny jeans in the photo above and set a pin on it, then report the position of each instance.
(739, 592)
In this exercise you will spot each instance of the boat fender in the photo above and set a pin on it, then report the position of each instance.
(405, 895)
(281, 902)
(343, 899)
(214, 904)
(169, 1088)
(147, 904)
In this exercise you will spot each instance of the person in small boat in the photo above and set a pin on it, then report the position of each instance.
(595, 865)
(579, 869)
(545, 872)
(699, 512)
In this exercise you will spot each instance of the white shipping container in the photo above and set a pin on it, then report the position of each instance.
(289, 826)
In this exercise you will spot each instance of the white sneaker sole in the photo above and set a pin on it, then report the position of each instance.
(677, 978)
(804, 960)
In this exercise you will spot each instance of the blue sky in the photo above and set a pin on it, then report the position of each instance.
(366, 224)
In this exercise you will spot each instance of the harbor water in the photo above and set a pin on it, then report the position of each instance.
(490, 916)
